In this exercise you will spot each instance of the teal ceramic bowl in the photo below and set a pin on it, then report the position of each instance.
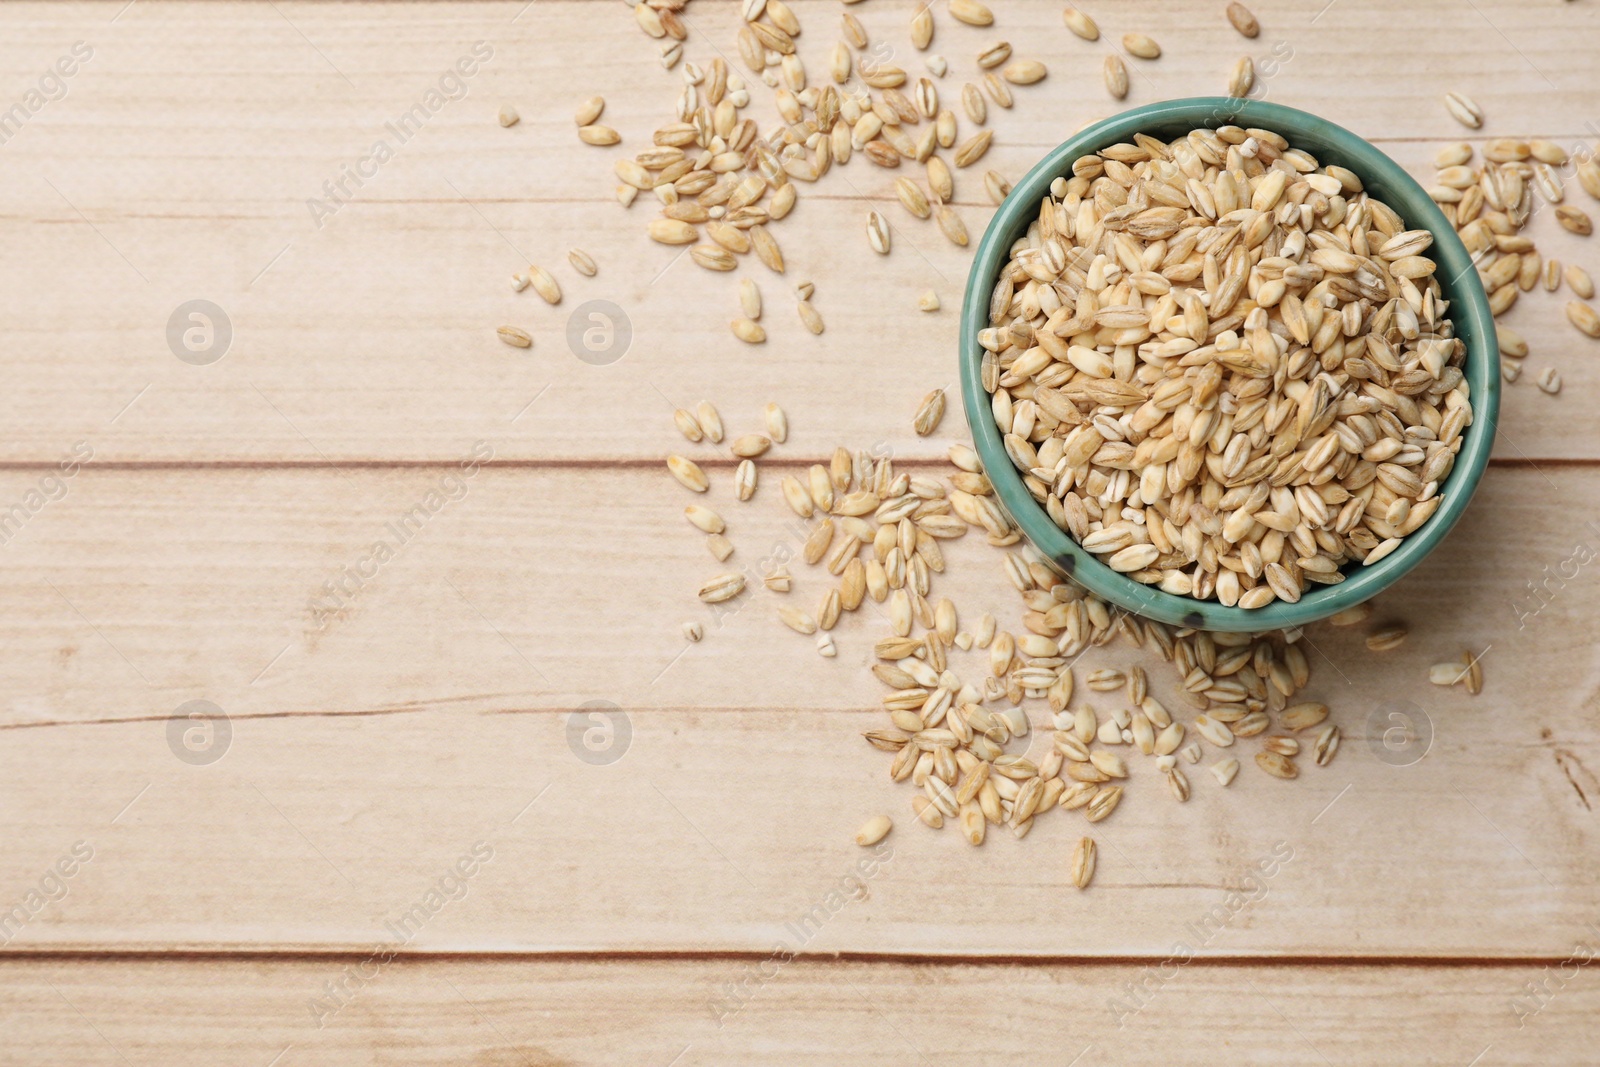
(1384, 179)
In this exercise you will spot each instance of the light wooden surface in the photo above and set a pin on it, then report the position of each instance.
(373, 748)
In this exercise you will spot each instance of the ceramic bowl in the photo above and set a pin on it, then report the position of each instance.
(1384, 179)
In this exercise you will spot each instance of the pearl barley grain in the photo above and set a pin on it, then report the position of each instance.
(874, 830)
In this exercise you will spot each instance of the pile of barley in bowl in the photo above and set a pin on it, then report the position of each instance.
(1225, 369)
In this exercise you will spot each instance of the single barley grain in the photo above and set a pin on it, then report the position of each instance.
(590, 110)
(1025, 72)
(1242, 78)
(1529, 271)
(971, 12)
(1550, 380)
(783, 17)
(713, 258)
(722, 587)
(885, 77)
(777, 423)
(974, 822)
(1225, 770)
(1213, 730)
(995, 184)
(928, 300)
(922, 28)
(509, 116)
(1579, 282)
(878, 233)
(997, 89)
(1277, 765)
(797, 620)
(1242, 19)
(687, 425)
(1254, 723)
(671, 231)
(1548, 152)
(598, 135)
(704, 519)
(1080, 24)
(744, 479)
(929, 413)
(795, 495)
(1083, 859)
(750, 445)
(749, 298)
(874, 830)
(973, 148)
(973, 103)
(516, 337)
(1302, 716)
(545, 284)
(927, 812)
(693, 631)
(994, 55)
(1352, 616)
(783, 201)
(1103, 803)
(952, 227)
(748, 330)
(1584, 317)
(809, 316)
(912, 198)
(853, 30)
(1464, 110)
(582, 262)
(1552, 275)
(719, 547)
(1116, 75)
(710, 421)
(1388, 637)
(766, 248)
(1141, 46)
(688, 473)
(1326, 745)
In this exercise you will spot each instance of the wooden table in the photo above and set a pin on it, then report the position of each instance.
(626, 910)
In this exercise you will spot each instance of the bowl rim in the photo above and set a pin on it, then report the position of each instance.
(1469, 309)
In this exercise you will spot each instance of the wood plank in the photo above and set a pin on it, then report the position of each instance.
(144, 587)
(367, 756)
(140, 589)
(371, 337)
(578, 1013)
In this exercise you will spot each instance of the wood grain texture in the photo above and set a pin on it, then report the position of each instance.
(541, 588)
(172, 171)
(571, 1014)
(366, 756)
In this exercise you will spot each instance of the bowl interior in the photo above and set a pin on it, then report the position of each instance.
(1385, 180)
